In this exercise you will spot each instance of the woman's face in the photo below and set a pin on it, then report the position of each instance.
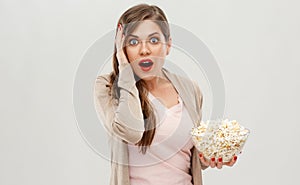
(146, 48)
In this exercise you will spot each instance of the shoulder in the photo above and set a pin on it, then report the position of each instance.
(103, 79)
(182, 81)
(102, 84)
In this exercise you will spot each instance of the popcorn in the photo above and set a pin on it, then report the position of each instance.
(221, 138)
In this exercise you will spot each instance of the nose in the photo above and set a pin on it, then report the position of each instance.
(145, 50)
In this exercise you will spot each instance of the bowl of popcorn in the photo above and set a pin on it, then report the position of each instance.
(219, 138)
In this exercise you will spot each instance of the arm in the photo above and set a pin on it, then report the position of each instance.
(123, 119)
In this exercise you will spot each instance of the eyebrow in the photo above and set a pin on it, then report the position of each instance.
(148, 35)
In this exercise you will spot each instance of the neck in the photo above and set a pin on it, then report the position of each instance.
(156, 82)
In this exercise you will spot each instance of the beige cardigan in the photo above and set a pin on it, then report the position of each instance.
(123, 119)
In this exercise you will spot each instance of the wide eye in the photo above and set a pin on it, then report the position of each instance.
(133, 42)
(154, 40)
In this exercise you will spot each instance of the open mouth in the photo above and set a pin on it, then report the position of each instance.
(146, 63)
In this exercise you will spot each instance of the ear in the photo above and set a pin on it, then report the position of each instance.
(169, 44)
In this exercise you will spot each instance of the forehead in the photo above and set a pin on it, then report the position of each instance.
(146, 28)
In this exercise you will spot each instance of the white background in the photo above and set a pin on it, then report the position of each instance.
(256, 44)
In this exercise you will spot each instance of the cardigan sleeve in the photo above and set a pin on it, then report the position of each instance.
(122, 118)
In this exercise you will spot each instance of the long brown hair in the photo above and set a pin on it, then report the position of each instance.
(130, 20)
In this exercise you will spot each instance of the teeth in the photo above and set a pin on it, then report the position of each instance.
(146, 63)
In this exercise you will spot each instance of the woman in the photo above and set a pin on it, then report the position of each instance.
(149, 111)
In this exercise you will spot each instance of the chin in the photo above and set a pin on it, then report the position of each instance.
(146, 77)
(149, 75)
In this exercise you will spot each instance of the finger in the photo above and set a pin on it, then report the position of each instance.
(119, 37)
(117, 32)
(122, 40)
(203, 160)
(232, 161)
(220, 163)
(119, 42)
(213, 162)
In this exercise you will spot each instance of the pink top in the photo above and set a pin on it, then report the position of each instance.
(167, 161)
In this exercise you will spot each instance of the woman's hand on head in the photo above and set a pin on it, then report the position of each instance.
(119, 42)
(213, 162)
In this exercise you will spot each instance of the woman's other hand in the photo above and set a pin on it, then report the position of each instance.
(213, 162)
(119, 41)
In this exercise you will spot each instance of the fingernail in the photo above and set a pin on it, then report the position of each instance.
(235, 158)
(213, 159)
(200, 155)
(220, 159)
